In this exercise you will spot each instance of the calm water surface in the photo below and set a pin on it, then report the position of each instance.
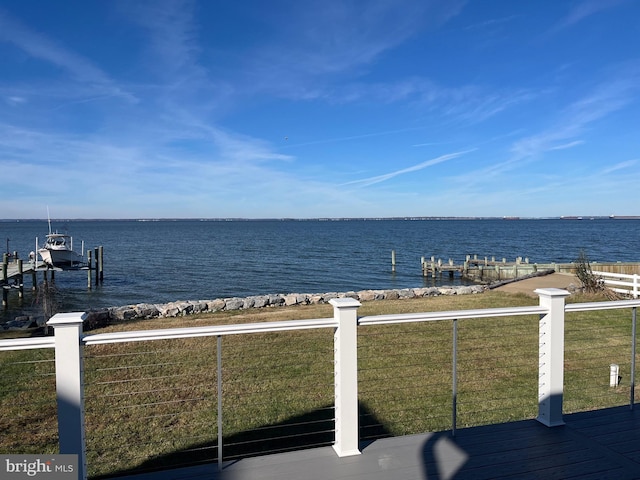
(163, 261)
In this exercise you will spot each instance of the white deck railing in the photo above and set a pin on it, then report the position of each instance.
(69, 342)
(621, 283)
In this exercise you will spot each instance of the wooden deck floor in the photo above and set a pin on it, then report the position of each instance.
(603, 444)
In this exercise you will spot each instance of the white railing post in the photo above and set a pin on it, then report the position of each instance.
(345, 311)
(69, 386)
(551, 356)
(635, 285)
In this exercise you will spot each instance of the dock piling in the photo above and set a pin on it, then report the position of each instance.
(101, 263)
(20, 280)
(90, 266)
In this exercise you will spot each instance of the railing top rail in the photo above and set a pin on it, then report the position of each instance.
(584, 307)
(27, 343)
(451, 315)
(208, 331)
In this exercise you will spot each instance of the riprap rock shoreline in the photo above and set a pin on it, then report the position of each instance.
(189, 307)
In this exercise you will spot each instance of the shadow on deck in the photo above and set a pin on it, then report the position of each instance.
(600, 444)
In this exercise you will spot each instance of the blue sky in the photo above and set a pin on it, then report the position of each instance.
(261, 109)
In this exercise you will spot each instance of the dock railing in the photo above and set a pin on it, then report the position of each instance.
(621, 283)
(70, 344)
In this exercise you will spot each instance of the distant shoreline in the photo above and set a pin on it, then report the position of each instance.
(321, 219)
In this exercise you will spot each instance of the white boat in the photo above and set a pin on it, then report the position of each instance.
(58, 250)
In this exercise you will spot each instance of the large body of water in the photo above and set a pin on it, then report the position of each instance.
(163, 261)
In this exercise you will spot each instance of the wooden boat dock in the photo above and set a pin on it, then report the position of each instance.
(490, 269)
(14, 270)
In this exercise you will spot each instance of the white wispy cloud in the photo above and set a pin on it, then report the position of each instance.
(565, 146)
(606, 98)
(365, 182)
(321, 41)
(463, 103)
(15, 100)
(46, 49)
(171, 32)
(619, 166)
(587, 8)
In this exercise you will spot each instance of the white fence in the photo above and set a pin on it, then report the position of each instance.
(621, 283)
(69, 343)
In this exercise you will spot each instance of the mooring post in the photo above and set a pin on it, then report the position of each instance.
(96, 256)
(393, 261)
(20, 280)
(101, 264)
(5, 286)
(90, 266)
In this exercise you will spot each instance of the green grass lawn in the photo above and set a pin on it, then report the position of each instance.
(154, 404)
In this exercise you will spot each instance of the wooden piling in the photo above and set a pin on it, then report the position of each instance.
(96, 256)
(90, 267)
(101, 263)
(5, 287)
(20, 280)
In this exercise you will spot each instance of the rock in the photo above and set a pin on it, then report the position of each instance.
(366, 295)
(406, 293)
(234, 303)
(295, 299)
(169, 310)
(315, 299)
(464, 291)
(124, 313)
(447, 291)
(147, 310)
(260, 301)
(275, 300)
(22, 322)
(249, 302)
(216, 305)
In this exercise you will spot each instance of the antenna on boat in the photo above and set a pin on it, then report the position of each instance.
(49, 219)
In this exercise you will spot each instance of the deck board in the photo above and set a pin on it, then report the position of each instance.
(603, 444)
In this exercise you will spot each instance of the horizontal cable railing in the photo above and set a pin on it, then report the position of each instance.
(598, 340)
(409, 383)
(404, 378)
(170, 384)
(150, 405)
(228, 391)
(497, 370)
(277, 392)
(28, 423)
